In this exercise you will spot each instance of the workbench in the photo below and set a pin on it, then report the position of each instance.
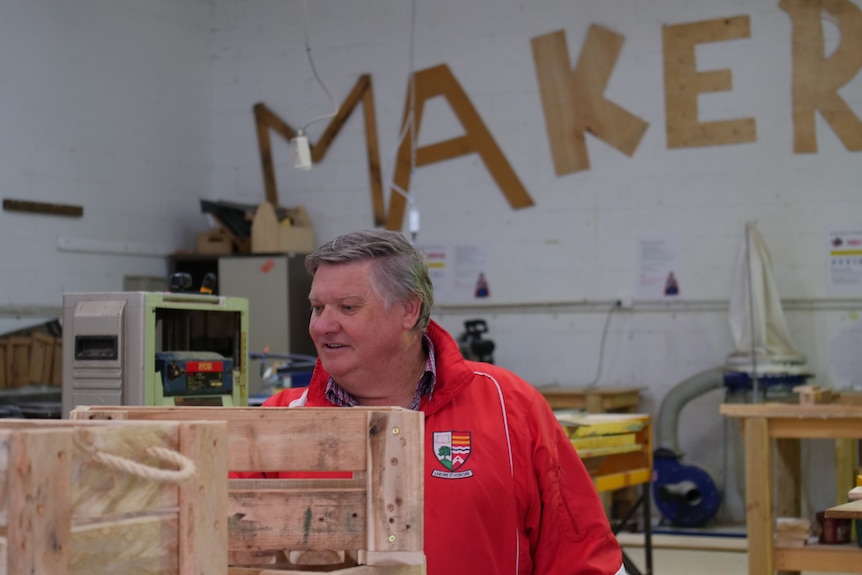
(593, 400)
(787, 424)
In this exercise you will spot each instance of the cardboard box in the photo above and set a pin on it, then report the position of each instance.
(371, 515)
(292, 234)
(215, 242)
(73, 501)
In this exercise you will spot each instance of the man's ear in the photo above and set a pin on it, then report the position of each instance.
(412, 307)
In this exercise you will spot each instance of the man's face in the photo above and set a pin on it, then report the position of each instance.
(357, 340)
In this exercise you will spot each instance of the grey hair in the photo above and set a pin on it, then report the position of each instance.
(400, 271)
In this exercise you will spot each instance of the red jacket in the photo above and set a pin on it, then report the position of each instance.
(515, 493)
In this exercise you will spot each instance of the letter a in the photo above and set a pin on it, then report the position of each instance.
(439, 81)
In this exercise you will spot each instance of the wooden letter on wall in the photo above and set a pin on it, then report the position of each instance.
(439, 81)
(574, 102)
(816, 79)
(265, 120)
(683, 83)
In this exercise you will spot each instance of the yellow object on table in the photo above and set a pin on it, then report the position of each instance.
(615, 447)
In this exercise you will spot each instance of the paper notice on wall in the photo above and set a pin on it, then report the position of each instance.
(470, 273)
(658, 276)
(845, 261)
(438, 270)
(459, 273)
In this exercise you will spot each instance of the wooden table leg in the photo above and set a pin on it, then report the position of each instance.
(758, 496)
(786, 471)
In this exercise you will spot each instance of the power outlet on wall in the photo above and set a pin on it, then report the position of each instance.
(625, 301)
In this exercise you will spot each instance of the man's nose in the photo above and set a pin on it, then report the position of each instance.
(323, 322)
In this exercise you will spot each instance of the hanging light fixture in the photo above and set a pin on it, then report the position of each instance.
(299, 144)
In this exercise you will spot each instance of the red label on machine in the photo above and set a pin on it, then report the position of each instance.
(204, 366)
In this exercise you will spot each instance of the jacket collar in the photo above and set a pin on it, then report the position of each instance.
(453, 373)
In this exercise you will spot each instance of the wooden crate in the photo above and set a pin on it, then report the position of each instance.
(57, 363)
(4, 363)
(41, 358)
(368, 523)
(18, 361)
(96, 497)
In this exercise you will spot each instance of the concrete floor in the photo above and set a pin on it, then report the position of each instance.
(673, 555)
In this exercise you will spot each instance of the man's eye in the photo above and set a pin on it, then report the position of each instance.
(316, 309)
(348, 308)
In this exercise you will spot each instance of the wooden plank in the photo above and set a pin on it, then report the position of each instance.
(604, 441)
(264, 147)
(790, 410)
(395, 464)
(614, 481)
(100, 490)
(323, 439)
(786, 477)
(358, 570)
(619, 462)
(818, 558)
(352, 100)
(40, 518)
(590, 452)
(4, 363)
(140, 545)
(622, 399)
(18, 358)
(10, 205)
(758, 495)
(203, 500)
(830, 428)
(266, 119)
(375, 170)
(278, 519)
(57, 363)
(41, 354)
(439, 81)
(818, 77)
(683, 83)
(597, 424)
(845, 468)
(851, 510)
(553, 71)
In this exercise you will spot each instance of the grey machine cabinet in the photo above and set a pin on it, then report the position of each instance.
(277, 287)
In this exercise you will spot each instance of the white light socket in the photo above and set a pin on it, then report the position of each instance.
(413, 218)
(301, 152)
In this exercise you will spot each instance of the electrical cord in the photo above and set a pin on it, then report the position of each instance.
(409, 127)
(335, 107)
(595, 381)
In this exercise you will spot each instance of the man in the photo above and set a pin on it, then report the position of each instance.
(505, 491)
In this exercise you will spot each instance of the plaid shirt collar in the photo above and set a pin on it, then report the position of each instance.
(336, 394)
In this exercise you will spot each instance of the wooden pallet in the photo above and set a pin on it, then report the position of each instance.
(367, 522)
(73, 502)
(616, 448)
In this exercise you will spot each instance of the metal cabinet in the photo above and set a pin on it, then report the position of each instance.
(276, 287)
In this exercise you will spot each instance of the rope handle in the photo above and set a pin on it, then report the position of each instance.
(186, 466)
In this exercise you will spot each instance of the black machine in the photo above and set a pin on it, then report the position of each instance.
(473, 347)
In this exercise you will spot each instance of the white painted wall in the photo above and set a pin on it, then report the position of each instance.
(105, 105)
(579, 243)
(136, 109)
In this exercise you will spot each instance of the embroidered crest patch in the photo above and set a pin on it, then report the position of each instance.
(452, 449)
